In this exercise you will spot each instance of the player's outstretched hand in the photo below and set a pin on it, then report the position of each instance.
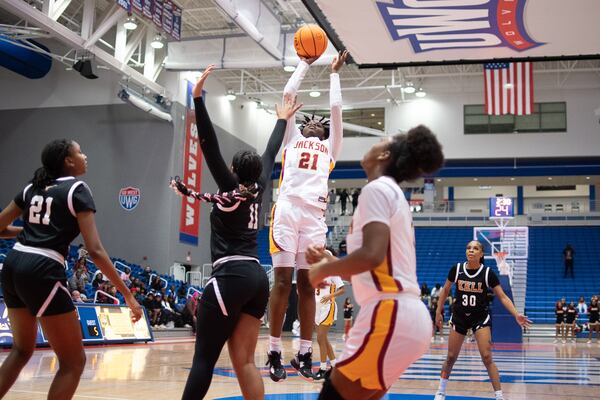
(197, 91)
(309, 60)
(178, 187)
(134, 306)
(338, 61)
(524, 321)
(288, 108)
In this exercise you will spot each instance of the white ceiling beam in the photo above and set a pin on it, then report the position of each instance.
(105, 26)
(59, 8)
(149, 69)
(23, 10)
(134, 42)
(87, 23)
(120, 41)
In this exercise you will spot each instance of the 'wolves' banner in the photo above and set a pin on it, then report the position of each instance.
(189, 221)
(447, 31)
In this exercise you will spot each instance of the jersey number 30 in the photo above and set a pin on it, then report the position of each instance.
(36, 209)
(469, 300)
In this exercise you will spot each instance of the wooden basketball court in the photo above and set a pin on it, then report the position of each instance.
(537, 370)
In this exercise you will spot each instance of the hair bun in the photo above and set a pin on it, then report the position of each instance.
(425, 149)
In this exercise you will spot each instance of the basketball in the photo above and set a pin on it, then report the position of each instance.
(310, 41)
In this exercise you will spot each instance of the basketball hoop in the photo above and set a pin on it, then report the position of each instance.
(500, 258)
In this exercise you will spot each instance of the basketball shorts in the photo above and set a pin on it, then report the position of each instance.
(559, 319)
(593, 319)
(37, 283)
(387, 337)
(295, 226)
(461, 323)
(235, 287)
(326, 314)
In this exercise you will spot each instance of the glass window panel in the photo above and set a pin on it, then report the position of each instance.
(477, 129)
(554, 107)
(501, 119)
(475, 109)
(527, 123)
(476, 119)
(554, 122)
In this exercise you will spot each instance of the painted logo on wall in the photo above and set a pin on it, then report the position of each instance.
(454, 24)
(129, 198)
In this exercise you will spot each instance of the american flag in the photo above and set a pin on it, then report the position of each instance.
(508, 88)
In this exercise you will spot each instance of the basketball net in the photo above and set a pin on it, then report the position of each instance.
(503, 267)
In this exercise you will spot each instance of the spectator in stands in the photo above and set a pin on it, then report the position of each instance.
(343, 249)
(98, 280)
(145, 274)
(76, 297)
(582, 308)
(593, 320)
(156, 284)
(343, 200)
(153, 311)
(570, 320)
(435, 292)
(355, 195)
(348, 310)
(433, 303)
(425, 293)
(125, 278)
(82, 253)
(560, 322)
(569, 255)
(332, 196)
(78, 280)
(189, 313)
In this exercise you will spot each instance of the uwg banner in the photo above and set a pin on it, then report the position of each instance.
(189, 221)
(403, 32)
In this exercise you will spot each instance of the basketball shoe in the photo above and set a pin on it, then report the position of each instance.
(277, 372)
(303, 364)
(440, 396)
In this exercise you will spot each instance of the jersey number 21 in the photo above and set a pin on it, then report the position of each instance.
(37, 208)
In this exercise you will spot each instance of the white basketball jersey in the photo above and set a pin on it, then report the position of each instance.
(307, 162)
(382, 201)
(332, 283)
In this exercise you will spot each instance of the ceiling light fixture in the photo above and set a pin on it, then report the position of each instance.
(157, 42)
(421, 93)
(230, 95)
(130, 24)
(409, 88)
(289, 68)
(314, 92)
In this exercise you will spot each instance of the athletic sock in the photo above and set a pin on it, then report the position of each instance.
(275, 344)
(332, 363)
(323, 366)
(442, 387)
(499, 395)
(305, 346)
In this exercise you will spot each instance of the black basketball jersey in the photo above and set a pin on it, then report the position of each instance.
(472, 288)
(50, 214)
(234, 229)
(594, 310)
(559, 311)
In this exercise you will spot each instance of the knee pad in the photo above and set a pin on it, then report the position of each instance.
(328, 391)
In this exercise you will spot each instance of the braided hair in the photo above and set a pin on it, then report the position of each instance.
(322, 120)
(53, 161)
(225, 199)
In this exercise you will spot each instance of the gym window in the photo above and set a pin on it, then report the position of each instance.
(546, 117)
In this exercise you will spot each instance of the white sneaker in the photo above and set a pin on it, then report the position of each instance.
(564, 341)
(440, 396)
(555, 341)
(589, 341)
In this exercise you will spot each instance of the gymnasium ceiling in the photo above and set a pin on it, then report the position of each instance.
(363, 88)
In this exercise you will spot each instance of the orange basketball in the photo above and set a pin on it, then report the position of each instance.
(310, 41)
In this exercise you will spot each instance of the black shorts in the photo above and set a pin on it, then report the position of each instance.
(461, 323)
(37, 283)
(559, 320)
(593, 319)
(238, 287)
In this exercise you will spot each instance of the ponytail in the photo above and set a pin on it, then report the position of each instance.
(53, 160)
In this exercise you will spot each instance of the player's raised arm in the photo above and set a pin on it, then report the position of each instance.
(335, 102)
(208, 138)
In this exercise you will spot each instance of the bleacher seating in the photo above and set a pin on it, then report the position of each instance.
(545, 282)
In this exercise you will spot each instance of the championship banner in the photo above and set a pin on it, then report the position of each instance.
(419, 32)
(189, 221)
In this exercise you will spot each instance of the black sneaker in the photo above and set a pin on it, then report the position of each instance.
(277, 372)
(320, 375)
(303, 364)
